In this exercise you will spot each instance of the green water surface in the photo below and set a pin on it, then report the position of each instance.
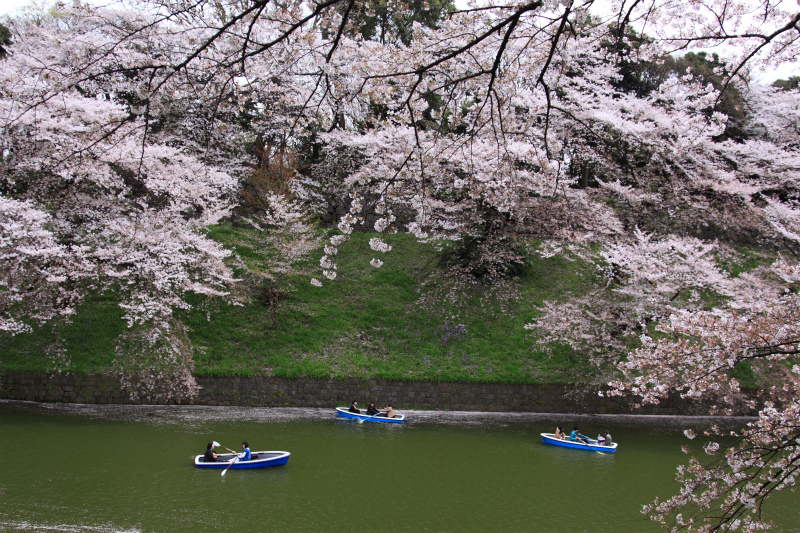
(107, 469)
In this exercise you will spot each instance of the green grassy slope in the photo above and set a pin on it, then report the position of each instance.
(367, 323)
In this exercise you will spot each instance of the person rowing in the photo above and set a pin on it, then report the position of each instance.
(390, 413)
(210, 456)
(576, 436)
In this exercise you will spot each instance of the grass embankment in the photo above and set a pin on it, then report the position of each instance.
(367, 323)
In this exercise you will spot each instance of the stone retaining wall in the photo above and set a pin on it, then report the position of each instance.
(309, 392)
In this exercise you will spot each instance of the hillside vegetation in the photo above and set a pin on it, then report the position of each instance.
(369, 323)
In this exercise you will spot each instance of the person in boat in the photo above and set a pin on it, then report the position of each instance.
(559, 434)
(245, 455)
(607, 439)
(354, 407)
(210, 456)
(601, 440)
(390, 413)
(576, 436)
(371, 409)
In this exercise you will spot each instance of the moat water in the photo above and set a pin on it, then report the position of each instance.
(106, 469)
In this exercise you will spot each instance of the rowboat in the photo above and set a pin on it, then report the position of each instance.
(344, 413)
(259, 460)
(550, 438)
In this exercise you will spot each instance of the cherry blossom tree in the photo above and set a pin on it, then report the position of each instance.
(696, 325)
(497, 107)
(92, 203)
(693, 347)
(696, 353)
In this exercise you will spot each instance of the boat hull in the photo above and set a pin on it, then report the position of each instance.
(549, 438)
(260, 460)
(344, 413)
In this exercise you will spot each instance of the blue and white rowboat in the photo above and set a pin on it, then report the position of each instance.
(344, 413)
(259, 460)
(550, 438)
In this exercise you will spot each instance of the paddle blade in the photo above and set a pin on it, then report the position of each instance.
(216, 444)
(231, 464)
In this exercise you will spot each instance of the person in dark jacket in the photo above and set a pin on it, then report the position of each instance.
(354, 407)
(371, 409)
(210, 456)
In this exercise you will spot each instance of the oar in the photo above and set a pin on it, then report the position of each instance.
(218, 445)
(235, 457)
(590, 446)
(361, 420)
(221, 446)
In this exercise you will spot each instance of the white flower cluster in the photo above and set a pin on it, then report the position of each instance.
(346, 223)
(326, 263)
(315, 282)
(377, 263)
(382, 223)
(416, 230)
(549, 249)
(711, 447)
(378, 245)
(336, 240)
(330, 274)
(331, 250)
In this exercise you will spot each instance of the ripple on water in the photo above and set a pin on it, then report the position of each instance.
(188, 414)
(30, 527)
